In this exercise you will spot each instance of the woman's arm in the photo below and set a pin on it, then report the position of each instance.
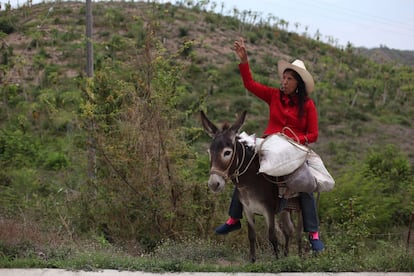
(262, 91)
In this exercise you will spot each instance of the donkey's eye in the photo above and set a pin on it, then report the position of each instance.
(227, 153)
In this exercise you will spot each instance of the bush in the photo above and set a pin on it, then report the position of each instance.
(375, 192)
(7, 25)
(56, 161)
(17, 149)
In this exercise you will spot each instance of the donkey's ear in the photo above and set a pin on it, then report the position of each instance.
(209, 127)
(240, 121)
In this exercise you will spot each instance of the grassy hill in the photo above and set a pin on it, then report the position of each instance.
(156, 66)
(357, 98)
(386, 55)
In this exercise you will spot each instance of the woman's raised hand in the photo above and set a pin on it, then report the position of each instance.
(240, 50)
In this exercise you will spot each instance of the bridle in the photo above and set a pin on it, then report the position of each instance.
(239, 163)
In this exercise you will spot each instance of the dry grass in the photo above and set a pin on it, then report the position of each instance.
(14, 232)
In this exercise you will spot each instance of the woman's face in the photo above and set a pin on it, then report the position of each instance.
(289, 83)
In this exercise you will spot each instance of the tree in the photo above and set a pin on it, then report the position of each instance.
(89, 74)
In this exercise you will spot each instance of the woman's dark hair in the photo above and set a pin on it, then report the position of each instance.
(301, 92)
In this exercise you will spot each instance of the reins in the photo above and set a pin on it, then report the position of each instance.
(237, 172)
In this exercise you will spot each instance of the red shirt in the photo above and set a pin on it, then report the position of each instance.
(283, 115)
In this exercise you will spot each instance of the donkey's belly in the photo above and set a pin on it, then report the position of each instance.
(254, 207)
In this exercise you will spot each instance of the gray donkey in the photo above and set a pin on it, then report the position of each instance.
(231, 159)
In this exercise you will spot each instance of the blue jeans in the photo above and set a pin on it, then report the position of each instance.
(307, 202)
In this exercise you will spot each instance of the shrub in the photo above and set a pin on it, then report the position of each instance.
(375, 190)
(7, 25)
(56, 161)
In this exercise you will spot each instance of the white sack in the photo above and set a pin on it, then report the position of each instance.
(324, 180)
(280, 155)
(249, 140)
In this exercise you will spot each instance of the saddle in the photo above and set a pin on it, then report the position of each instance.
(282, 192)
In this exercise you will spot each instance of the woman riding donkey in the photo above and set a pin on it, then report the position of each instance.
(289, 107)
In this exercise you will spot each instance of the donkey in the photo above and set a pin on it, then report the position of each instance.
(233, 160)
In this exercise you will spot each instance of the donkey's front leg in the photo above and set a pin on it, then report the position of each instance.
(251, 232)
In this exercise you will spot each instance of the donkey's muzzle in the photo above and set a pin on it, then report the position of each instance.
(216, 182)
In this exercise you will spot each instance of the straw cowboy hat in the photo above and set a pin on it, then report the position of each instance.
(300, 68)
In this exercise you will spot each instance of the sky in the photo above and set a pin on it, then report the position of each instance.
(363, 23)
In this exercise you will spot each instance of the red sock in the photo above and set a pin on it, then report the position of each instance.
(232, 221)
(314, 235)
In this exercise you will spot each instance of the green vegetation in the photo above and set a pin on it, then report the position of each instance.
(197, 255)
(110, 172)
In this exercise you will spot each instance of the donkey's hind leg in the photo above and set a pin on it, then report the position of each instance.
(288, 229)
(272, 235)
(299, 232)
(251, 233)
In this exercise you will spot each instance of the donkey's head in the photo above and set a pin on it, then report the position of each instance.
(222, 150)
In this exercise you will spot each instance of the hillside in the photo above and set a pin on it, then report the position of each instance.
(156, 66)
(41, 31)
(386, 55)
